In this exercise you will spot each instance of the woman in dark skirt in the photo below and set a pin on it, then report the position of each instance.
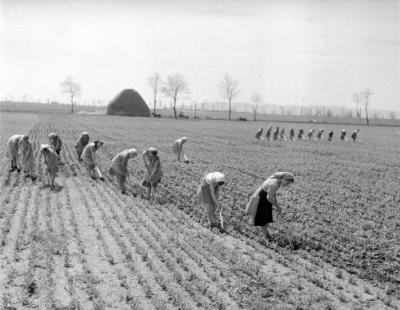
(261, 203)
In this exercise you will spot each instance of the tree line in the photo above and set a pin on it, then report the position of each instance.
(175, 85)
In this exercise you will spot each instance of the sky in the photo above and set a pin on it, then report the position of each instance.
(292, 52)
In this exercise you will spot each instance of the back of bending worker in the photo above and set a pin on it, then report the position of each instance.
(208, 193)
(268, 134)
(291, 134)
(52, 162)
(276, 134)
(263, 200)
(80, 144)
(354, 135)
(153, 171)
(89, 158)
(330, 136)
(12, 151)
(27, 157)
(55, 141)
(300, 135)
(119, 167)
(343, 136)
(177, 149)
(259, 133)
(320, 134)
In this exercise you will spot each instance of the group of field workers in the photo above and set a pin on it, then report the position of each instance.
(260, 206)
(280, 135)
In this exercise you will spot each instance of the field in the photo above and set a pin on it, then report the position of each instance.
(86, 246)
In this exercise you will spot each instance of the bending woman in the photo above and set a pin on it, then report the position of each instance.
(263, 200)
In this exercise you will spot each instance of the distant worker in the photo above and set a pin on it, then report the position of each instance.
(89, 158)
(310, 134)
(300, 135)
(26, 149)
(354, 135)
(259, 133)
(320, 134)
(12, 151)
(276, 133)
(51, 161)
(208, 193)
(81, 143)
(291, 134)
(119, 167)
(268, 134)
(153, 172)
(343, 136)
(330, 136)
(177, 149)
(282, 136)
(263, 200)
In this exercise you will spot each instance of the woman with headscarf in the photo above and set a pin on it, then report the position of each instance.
(51, 161)
(300, 135)
(119, 167)
(263, 200)
(320, 134)
(291, 134)
(55, 141)
(259, 133)
(89, 158)
(177, 149)
(354, 135)
(208, 193)
(12, 151)
(27, 157)
(268, 134)
(282, 136)
(330, 136)
(343, 136)
(153, 171)
(310, 134)
(81, 143)
(276, 134)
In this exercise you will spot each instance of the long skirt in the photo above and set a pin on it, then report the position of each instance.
(264, 211)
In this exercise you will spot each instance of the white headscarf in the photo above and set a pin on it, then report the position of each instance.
(281, 175)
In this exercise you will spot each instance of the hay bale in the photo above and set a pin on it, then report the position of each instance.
(128, 102)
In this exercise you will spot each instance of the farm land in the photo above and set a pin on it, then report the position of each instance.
(86, 246)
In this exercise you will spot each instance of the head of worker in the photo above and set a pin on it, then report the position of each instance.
(284, 178)
(52, 137)
(85, 134)
(152, 153)
(98, 144)
(343, 130)
(220, 179)
(132, 153)
(184, 139)
(44, 148)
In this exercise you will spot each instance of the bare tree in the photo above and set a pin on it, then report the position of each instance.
(257, 99)
(72, 89)
(175, 85)
(365, 95)
(154, 82)
(228, 88)
(357, 99)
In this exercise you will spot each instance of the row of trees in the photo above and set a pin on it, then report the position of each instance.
(228, 87)
(176, 85)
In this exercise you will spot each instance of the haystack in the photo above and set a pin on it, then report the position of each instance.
(128, 102)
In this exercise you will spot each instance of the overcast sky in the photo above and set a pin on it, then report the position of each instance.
(317, 51)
